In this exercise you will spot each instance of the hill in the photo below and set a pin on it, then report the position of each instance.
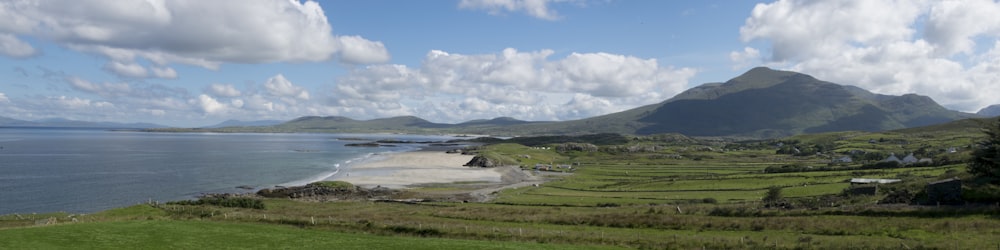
(11, 122)
(767, 103)
(991, 111)
(401, 124)
(238, 123)
(340, 124)
(761, 103)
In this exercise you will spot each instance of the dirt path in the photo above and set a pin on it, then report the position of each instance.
(513, 177)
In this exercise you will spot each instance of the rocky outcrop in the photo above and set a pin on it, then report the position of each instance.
(482, 161)
(368, 144)
(573, 146)
(341, 193)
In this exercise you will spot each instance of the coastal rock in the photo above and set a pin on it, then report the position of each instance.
(368, 144)
(573, 146)
(315, 190)
(481, 161)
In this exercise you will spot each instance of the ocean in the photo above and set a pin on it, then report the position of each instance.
(88, 170)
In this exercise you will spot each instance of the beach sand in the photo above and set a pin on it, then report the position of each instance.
(401, 170)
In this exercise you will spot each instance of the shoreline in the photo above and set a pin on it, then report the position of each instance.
(400, 170)
(413, 170)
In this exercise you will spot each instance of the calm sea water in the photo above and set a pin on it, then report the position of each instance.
(84, 171)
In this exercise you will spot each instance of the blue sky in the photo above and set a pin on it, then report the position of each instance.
(195, 63)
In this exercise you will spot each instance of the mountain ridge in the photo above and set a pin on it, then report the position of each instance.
(760, 103)
(239, 123)
(990, 111)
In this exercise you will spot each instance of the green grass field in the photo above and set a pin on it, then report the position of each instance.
(665, 196)
(193, 234)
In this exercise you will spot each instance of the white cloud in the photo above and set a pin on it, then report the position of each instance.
(226, 90)
(102, 89)
(202, 33)
(357, 50)
(76, 103)
(748, 57)
(279, 86)
(609, 75)
(524, 85)
(13, 47)
(953, 25)
(276, 98)
(859, 43)
(154, 112)
(164, 72)
(535, 8)
(804, 29)
(133, 70)
(209, 105)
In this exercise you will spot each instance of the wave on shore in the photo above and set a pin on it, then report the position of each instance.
(333, 174)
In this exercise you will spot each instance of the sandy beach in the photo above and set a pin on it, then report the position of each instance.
(401, 170)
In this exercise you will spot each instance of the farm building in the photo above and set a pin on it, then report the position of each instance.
(864, 186)
(947, 191)
(910, 159)
(892, 157)
(844, 159)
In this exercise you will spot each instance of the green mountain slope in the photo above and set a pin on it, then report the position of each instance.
(768, 103)
(990, 111)
(761, 103)
(344, 124)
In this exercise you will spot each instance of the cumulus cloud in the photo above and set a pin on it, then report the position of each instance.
(76, 103)
(748, 57)
(164, 72)
(535, 8)
(275, 98)
(102, 89)
(209, 105)
(953, 25)
(525, 85)
(923, 47)
(201, 33)
(226, 90)
(279, 86)
(133, 70)
(357, 50)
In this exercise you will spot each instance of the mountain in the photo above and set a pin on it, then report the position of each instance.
(238, 123)
(766, 103)
(770, 103)
(991, 111)
(761, 103)
(11, 122)
(401, 124)
(499, 121)
(346, 125)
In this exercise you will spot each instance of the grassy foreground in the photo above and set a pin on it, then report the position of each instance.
(649, 193)
(187, 234)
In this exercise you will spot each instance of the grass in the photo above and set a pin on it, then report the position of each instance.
(177, 234)
(688, 195)
(334, 184)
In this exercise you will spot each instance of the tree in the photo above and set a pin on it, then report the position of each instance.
(773, 196)
(986, 157)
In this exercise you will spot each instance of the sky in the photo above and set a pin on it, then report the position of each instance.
(195, 63)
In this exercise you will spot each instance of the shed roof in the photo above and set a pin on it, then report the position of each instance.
(879, 181)
(943, 181)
